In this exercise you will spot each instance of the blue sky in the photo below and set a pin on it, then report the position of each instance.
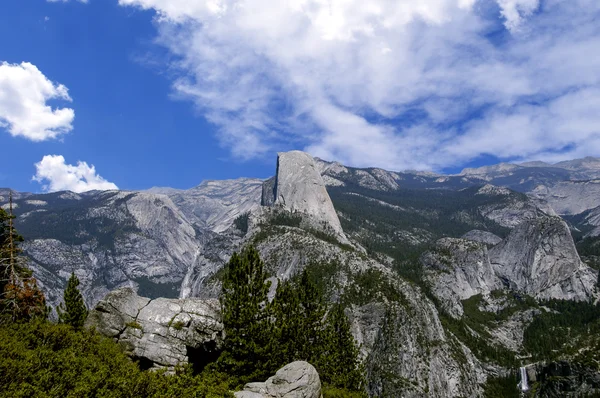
(171, 92)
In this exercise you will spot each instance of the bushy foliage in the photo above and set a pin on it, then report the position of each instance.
(40, 359)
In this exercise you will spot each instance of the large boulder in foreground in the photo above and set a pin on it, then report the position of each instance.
(295, 380)
(160, 333)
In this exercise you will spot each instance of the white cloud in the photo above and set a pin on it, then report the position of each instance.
(24, 111)
(516, 11)
(56, 175)
(380, 82)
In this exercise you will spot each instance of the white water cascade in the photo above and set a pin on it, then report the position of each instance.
(523, 384)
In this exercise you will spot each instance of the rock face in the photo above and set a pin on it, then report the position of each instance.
(563, 379)
(426, 361)
(570, 197)
(539, 258)
(213, 205)
(295, 380)
(110, 239)
(459, 269)
(299, 187)
(160, 332)
(482, 237)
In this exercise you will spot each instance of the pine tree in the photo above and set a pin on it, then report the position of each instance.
(73, 310)
(244, 307)
(339, 365)
(21, 299)
(286, 313)
(312, 318)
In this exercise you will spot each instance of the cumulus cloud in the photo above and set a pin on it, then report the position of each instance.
(24, 109)
(56, 175)
(397, 84)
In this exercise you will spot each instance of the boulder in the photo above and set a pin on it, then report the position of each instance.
(295, 380)
(161, 332)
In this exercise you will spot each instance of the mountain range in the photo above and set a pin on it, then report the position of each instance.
(445, 278)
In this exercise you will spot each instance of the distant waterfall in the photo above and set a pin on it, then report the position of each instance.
(523, 384)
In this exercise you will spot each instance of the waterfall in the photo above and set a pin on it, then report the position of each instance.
(524, 385)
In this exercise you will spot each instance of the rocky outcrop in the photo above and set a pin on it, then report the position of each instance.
(458, 269)
(513, 209)
(299, 187)
(539, 258)
(425, 360)
(563, 379)
(295, 380)
(486, 237)
(161, 332)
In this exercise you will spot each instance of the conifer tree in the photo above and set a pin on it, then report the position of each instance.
(72, 310)
(312, 318)
(245, 317)
(287, 316)
(339, 365)
(20, 298)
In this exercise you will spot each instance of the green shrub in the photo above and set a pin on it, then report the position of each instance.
(41, 359)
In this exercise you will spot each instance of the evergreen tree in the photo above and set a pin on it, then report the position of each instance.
(339, 365)
(73, 310)
(286, 312)
(20, 297)
(245, 317)
(312, 318)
